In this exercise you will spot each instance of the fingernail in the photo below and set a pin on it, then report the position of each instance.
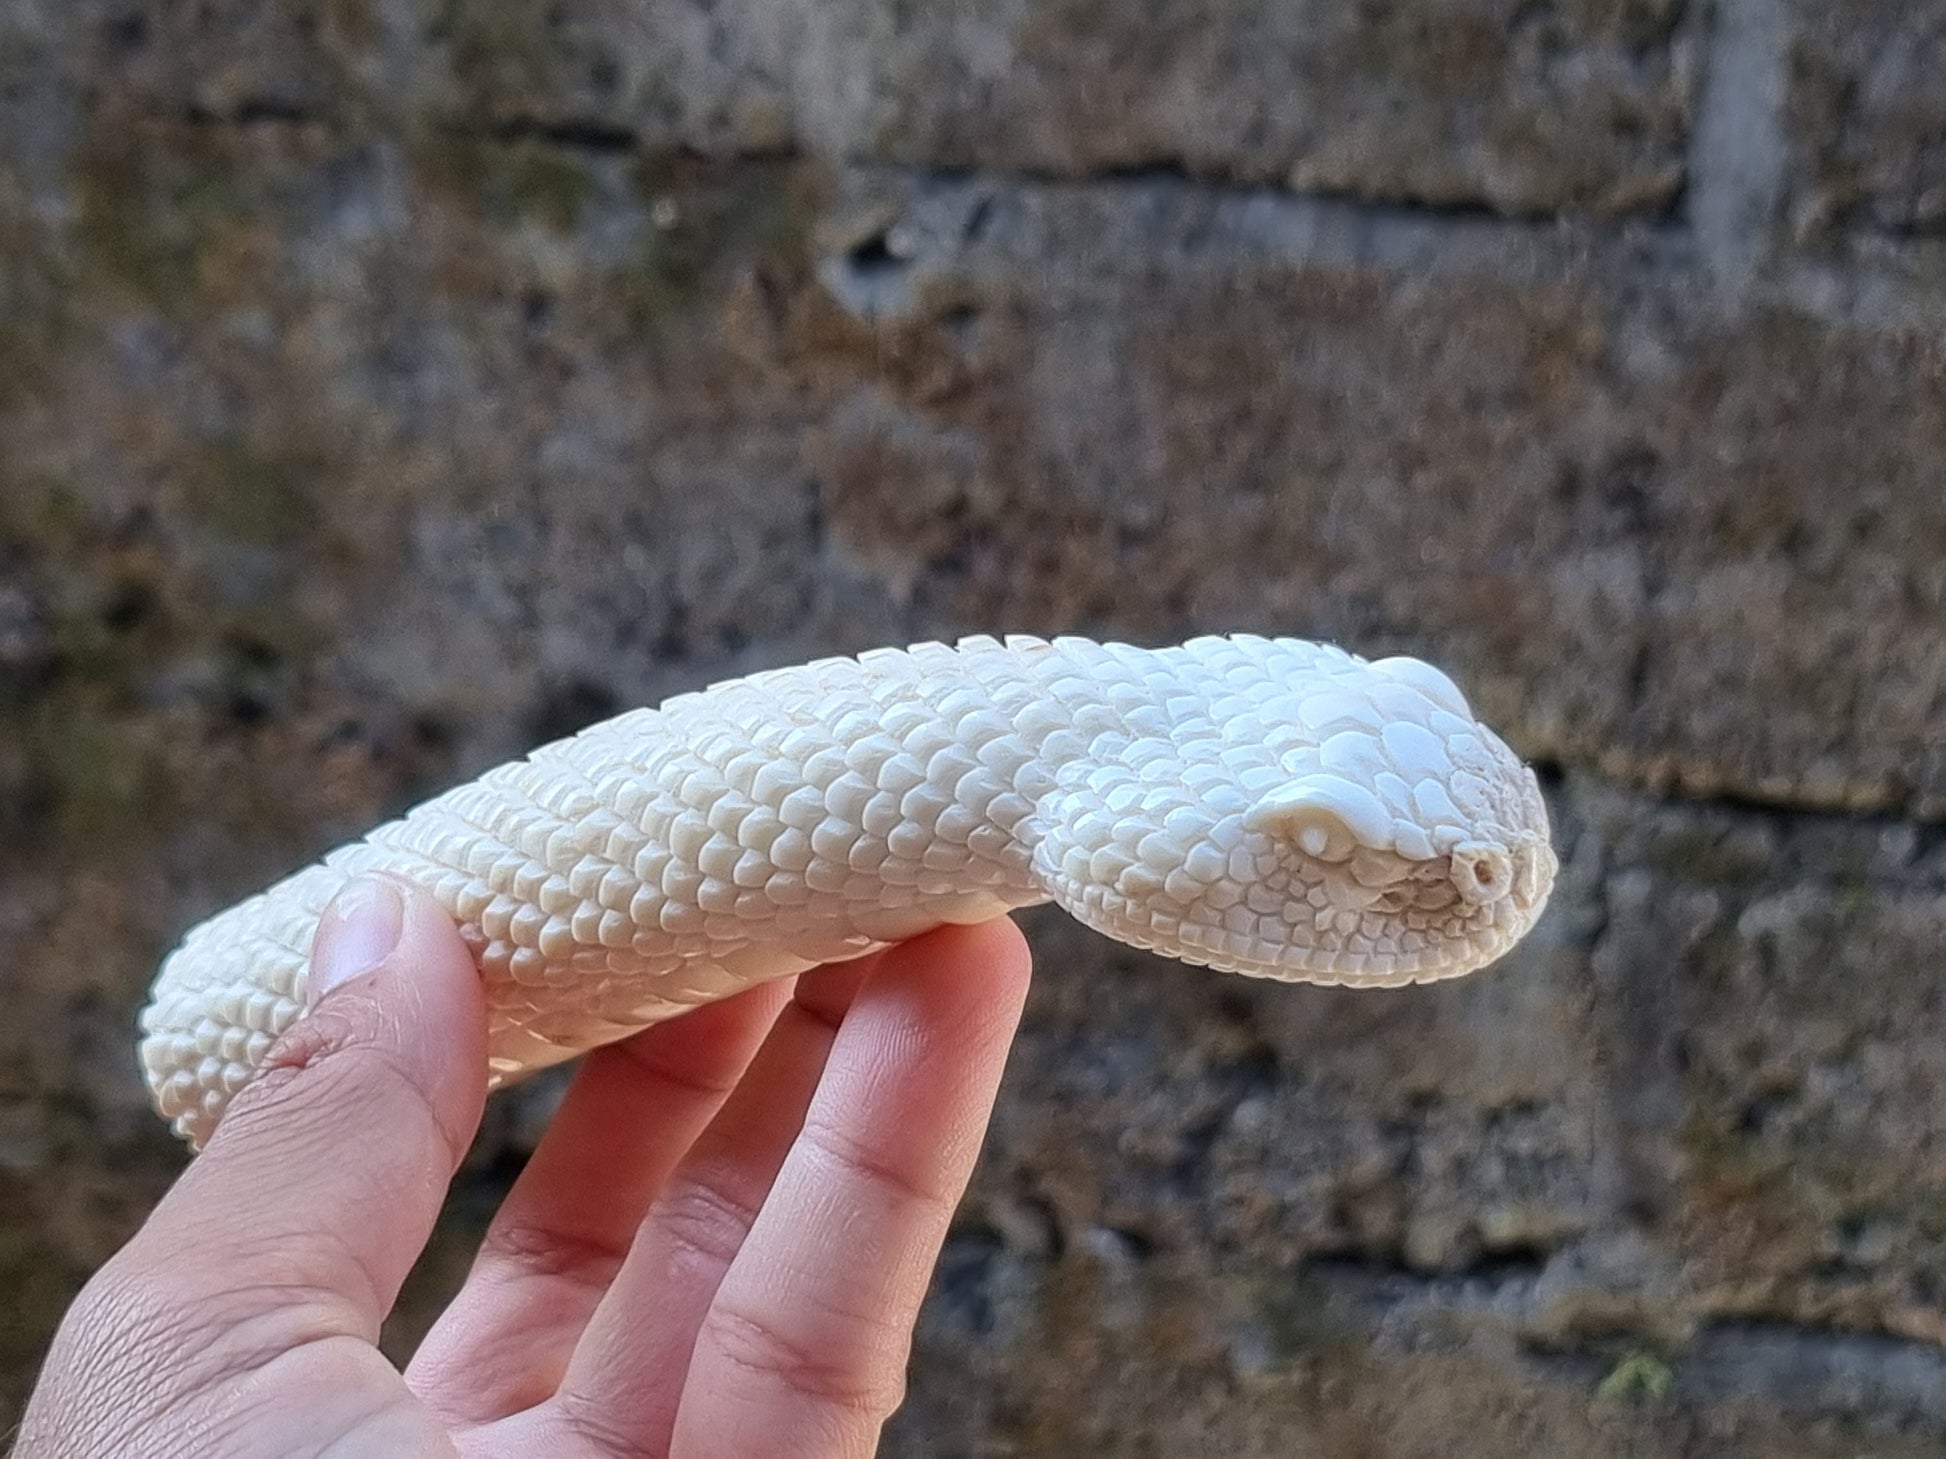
(357, 933)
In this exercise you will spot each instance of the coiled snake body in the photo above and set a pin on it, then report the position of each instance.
(1264, 806)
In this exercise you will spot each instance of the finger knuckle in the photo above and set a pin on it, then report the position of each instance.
(604, 1433)
(858, 1164)
(862, 1378)
(326, 1059)
(673, 1070)
(705, 1219)
(535, 1249)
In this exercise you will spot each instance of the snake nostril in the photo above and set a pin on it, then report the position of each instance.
(1482, 874)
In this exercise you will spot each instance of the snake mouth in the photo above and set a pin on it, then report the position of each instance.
(1508, 892)
(1345, 968)
(1224, 952)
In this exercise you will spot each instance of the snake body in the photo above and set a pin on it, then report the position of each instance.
(1265, 806)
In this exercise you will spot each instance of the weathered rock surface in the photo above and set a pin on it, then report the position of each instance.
(1517, 108)
(1695, 1119)
(1868, 115)
(384, 389)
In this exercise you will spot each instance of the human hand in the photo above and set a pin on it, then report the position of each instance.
(719, 1247)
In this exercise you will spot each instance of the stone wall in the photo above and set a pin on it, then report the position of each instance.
(386, 385)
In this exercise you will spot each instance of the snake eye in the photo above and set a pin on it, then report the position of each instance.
(1482, 874)
(1324, 816)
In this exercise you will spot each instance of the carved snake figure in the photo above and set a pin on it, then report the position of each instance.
(1263, 806)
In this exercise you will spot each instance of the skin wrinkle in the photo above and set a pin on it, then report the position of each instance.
(703, 1222)
(376, 1291)
(523, 1377)
(313, 1050)
(657, 1067)
(863, 1385)
(337, 1368)
(826, 1133)
(793, 1279)
(211, 1347)
(543, 1251)
(215, 1327)
(822, 1139)
(590, 1422)
(113, 1302)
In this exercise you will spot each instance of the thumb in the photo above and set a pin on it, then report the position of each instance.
(326, 1174)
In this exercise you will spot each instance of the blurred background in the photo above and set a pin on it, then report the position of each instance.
(389, 385)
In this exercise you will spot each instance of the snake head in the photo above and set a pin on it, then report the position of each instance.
(1365, 829)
